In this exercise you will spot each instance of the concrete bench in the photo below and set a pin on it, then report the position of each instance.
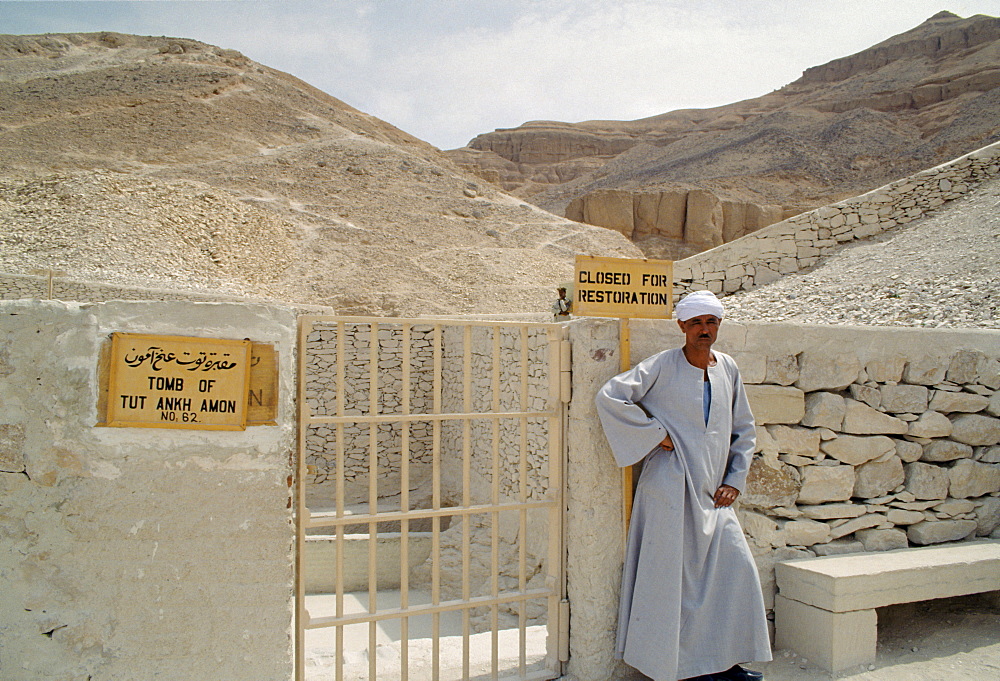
(825, 607)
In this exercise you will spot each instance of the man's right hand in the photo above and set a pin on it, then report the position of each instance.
(667, 443)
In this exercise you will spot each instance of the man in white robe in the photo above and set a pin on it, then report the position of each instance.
(691, 603)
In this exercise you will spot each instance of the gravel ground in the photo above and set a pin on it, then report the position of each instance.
(940, 271)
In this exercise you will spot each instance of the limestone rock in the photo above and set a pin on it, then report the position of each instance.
(856, 450)
(882, 540)
(899, 516)
(930, 424)
(861, 523)
(760, 530)
(964, 366)
(703, 224)
(783, 370)
(908, 451)
(776, 404)
(839, 547)
(925, 371)
(901, 399)
(926, 481)
(831, 511)
(11, 448)
(795, 440)
(947, 402)
(612, 209)
(770, 486)
(976, 429)
(826, 483)
(876, 478)
(886, 369)
(824, 410)
(824, 370)
(945, 450)
(987, 516)
(938, 531)
(805, 532)
(867, 394)
(861, 419)
(993, 408)
(989, 454)
(973, 479)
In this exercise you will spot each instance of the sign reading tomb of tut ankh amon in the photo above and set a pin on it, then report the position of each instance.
(622, 287)
(178, 382)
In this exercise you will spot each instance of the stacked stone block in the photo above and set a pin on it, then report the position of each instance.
(799, 242)
(871, 455)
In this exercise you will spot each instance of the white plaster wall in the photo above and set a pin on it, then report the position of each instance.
(138, 553)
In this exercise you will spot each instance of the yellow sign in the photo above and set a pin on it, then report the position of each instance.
(178, 382)
(622, 287)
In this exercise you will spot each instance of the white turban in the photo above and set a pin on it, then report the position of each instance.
(698, 303)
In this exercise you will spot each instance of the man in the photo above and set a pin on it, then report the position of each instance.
(562, 306)
(691, 603)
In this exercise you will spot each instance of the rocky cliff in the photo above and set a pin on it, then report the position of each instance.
(910, 102)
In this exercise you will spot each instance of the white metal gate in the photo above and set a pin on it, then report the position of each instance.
(429, 499)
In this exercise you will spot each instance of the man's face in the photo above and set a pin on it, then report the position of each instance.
(700, 332)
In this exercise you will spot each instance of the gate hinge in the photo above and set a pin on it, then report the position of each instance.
(564, 630)
(565, 371)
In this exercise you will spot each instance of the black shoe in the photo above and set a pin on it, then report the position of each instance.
(738, 673)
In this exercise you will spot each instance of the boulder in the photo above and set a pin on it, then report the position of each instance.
(964, 366)
(832, 511)
(908, 451)
(861, 523)
(886, 369)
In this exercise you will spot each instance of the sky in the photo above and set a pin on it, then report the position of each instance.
(448, 70)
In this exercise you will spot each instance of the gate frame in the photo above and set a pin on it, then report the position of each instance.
(555, 591)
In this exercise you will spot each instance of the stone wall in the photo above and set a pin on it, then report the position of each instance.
(138, 553)
(799, 242)
(449, 344)
(869, 439)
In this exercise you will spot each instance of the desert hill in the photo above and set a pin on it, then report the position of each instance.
(165, 162)
(843, 128)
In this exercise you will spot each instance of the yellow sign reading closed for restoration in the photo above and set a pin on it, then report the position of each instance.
(623, 287)
(178, 382)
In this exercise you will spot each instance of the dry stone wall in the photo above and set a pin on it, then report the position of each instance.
(799, 242)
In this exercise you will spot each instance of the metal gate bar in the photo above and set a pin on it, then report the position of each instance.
(437, 418)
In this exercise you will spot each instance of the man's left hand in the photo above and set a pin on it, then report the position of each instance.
(725, 496)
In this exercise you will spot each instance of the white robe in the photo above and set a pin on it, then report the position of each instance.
(691, 601)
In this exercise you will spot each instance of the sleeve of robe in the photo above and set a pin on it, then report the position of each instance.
(743, 440)
(631, 432)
